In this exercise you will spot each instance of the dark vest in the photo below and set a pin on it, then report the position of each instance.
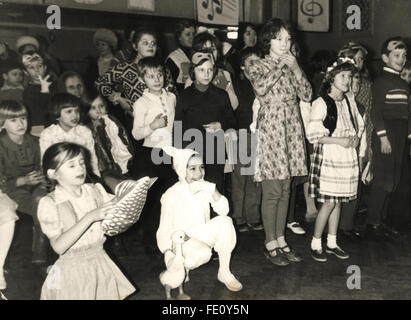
(330, 121)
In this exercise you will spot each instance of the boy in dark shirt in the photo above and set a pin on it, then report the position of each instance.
(390, 116)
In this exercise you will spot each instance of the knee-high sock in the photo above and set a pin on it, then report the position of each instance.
(6, 236)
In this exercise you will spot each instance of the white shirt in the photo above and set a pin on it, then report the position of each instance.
(145, 109)
(79, 134)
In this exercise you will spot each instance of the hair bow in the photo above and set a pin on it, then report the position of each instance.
(340, 61)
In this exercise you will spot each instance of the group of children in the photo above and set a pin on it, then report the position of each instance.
(62, 152)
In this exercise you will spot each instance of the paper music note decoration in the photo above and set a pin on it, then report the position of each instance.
(218, 11)
(313, 15)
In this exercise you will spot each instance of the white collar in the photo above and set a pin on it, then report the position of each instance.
(391, 70)
(153, 96)
(61, 195)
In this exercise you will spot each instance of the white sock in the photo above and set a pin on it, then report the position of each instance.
(316, 244)
(331, 241)
(282, 243)
(273, 244)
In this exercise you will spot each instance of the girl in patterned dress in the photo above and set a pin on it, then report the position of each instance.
(335, 129)
(278, 82)
(71, 218)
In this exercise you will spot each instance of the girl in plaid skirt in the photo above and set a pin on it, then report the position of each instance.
(335, 129)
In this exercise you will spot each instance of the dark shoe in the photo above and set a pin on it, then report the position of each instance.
(256, 226)
(377, 233)
(338, 252)
(243, 228)
(350, 234)
(40, 247)
(276, 257)
(390, 230)
(291, 255)
(318, 255)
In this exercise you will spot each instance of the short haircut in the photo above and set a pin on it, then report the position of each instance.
(61, 82)
(10, 109)
(241, 30)
(270, 31)
(136, 35)
(148, 63)
(247, 52)
(59, 102)
(201, 39)
(192, 74)
(384, 47)
(181, 26)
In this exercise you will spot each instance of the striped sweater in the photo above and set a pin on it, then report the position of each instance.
(391, 101)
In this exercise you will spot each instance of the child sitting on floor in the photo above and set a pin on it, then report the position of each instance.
(191, 214)
(12, 88)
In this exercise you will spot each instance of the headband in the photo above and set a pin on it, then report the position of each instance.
(339, 62)
(200, 56)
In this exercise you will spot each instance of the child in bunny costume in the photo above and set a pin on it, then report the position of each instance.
(186, 206)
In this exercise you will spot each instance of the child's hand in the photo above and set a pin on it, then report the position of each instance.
(160, 121)
(202, 186)
(345, 142)
(212, 126)
(355, 141)
(290, 60)
(33, 178)
(385, 145)
(45, 85)
(103, 212)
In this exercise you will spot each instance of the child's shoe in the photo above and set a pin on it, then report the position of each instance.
(291, 255)
(277, 257)
(243, 228)
(338, 252)
(318, 255)
(230, 281)
(295, 227)
(256, 226)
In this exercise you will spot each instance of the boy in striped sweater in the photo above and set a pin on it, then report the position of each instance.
(392, 127)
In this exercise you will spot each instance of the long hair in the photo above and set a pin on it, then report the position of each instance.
(340, 66)
(270, 31)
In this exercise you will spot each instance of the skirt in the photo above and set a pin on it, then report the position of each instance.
(85, 275)
(7, 209)
(314, 179)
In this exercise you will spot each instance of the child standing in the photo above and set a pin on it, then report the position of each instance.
(65, 113)
(20, 174)
(12, 88)
(71, 218)
(36, 95)
(8, 218)
(153, 122)
(391, 119)
(335, 129)
(192, 215)
(246, 194)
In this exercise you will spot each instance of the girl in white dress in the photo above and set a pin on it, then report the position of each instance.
(71, 218)
(335, 129)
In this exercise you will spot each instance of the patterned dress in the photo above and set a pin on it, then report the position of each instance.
(364, 97)
(281, 148)
(124, 78)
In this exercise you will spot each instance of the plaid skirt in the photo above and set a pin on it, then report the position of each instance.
(314, 179)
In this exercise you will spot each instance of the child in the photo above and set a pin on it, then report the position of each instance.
(392, 126)
(278, 83)
(71, 82)
(335, 129)
(8, 218)
(191, 214)
(406, 72)
(20, 175)
(65, 114)
(71, 218)
(207, 108)
(12, 88)
(36, 95)
(113, 147)
(246, 195)
(153, 122)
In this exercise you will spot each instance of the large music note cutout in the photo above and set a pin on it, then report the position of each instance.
(312, 9)
(218, 9)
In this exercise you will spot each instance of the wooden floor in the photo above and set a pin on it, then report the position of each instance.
(385, 271)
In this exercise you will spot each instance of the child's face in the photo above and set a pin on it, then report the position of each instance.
(355, 84)
(97, 109)
(195, 170)
(250, 37)
(154, 80)
(406, 75)
(72, 172)
(204, 73)
(342, 81)
(210, 46)
(36, 70)
(247, 63)
(103, 47)
(147, 46)
(74, 86)
(359, 60)
(186, 37)
(396, 59)
(14, 77)
(69, 118)
(16, 126)
(281, 44)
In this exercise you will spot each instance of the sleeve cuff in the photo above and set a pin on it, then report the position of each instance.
(382, 133)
